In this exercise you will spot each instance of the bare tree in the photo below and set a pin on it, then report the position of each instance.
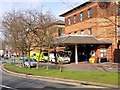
(44, 32)
(18, 30)
(8, 23)
(49, 41)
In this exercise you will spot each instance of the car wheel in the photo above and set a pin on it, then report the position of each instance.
(51, 61)
(25, 66)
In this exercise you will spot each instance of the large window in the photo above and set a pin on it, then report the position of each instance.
(89, 31)
(82, 32)
(118, 31)
(74, 18)
(69, 21)
(103, 52)
(81, 16)
(90, 13)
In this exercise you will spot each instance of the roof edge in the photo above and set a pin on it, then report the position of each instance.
(81, 5)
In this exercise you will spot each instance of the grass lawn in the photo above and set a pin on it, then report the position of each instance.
(91, 76)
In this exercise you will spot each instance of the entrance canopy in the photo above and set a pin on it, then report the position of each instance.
(79, 39)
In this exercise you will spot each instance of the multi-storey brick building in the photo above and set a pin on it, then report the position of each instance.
(93, 31)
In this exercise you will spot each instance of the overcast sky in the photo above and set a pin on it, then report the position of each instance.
(57, 7)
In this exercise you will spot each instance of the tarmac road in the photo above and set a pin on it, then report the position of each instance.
(8, 81)
(14, 82)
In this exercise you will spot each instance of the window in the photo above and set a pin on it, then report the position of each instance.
(75, 32)
(118, 31)
(103, 52)
(82, 32)
(69, 21)
(89, 13)
(81, 16)
(89, 31)
(60, 31)
(118, 11)
(74, 18)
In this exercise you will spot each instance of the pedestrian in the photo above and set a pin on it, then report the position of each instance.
(14, 61)
(12, 58)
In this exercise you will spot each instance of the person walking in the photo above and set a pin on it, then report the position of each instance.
(13, 59)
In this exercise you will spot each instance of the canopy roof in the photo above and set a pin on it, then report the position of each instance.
(80, 39)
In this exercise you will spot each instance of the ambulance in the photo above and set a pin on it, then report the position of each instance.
(43, 56)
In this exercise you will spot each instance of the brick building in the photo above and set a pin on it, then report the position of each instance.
(92, 31)
(58, 28)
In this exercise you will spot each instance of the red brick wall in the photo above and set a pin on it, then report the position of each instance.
(102, 24)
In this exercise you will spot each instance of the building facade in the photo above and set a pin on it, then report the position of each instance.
(99, 20)
(58, 27)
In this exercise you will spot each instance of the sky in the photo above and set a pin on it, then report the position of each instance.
(57, 7)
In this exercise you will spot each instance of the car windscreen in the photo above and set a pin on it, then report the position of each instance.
(64, 54)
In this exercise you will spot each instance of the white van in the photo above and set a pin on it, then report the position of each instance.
(61, 57)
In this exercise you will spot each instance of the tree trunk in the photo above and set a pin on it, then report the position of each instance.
(55, 55)
(48, 58)
(61, 66)
(22, 58)
(29, 57)
(38, 59)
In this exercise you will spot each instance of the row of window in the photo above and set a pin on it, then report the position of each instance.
(81, 17)
(82, 32)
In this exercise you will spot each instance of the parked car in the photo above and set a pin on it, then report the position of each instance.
(32, 62)
(6, 56)
(61, 57)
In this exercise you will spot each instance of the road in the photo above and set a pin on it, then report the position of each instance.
(18, 83)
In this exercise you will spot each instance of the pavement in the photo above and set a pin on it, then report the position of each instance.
(65, 81)
(85, 66)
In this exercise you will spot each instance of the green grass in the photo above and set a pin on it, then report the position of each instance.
(91, 76)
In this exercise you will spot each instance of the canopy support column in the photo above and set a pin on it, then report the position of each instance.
(76, 55)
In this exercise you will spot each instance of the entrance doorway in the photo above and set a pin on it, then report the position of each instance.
(84, 53)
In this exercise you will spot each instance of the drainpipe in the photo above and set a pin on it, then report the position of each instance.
(76, 55)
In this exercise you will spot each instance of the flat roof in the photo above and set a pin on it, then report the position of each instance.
(75, 8)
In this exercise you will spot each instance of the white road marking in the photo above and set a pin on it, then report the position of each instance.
(7, 87)
(90, 86)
